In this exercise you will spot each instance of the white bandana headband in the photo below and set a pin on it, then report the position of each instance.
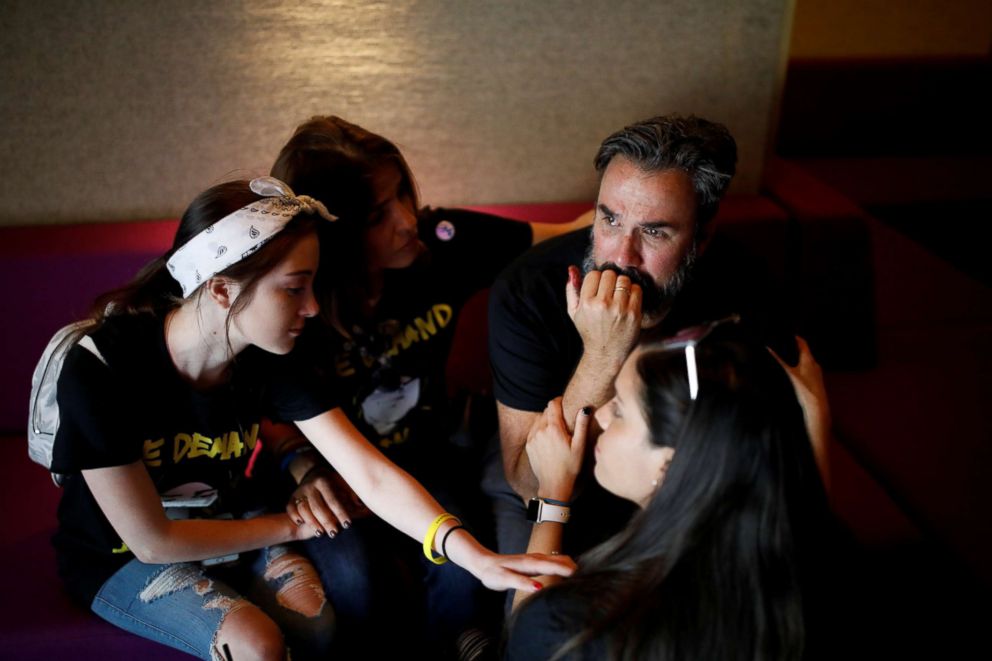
(237, 235)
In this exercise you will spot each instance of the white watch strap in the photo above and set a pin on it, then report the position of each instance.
(554, 513)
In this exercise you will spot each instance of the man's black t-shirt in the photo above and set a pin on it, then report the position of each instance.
(534, 347)
(390, 374)
(137, 407)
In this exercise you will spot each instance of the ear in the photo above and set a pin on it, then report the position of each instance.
(222, 291)
(661, 459)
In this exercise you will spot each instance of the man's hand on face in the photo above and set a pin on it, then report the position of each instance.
(606, 311)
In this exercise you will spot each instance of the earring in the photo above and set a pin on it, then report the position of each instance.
(664, 469)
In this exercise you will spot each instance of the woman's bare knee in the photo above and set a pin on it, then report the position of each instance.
(249, 634)
(299, 589)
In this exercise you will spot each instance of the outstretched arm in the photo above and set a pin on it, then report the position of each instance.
(402, 502)
(140, 520)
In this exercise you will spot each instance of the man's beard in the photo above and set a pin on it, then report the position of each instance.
(655, 299)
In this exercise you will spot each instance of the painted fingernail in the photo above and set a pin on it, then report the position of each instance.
(318, 533)
(537, 586)
(299, 522)
(346, 524)
(586, 410)
(332, 534)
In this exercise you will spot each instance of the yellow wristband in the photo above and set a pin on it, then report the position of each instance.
(429, 538)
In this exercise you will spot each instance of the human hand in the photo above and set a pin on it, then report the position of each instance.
(807, 380)
(515, 572)
(606, 311)
(555, 455)
(324, 503)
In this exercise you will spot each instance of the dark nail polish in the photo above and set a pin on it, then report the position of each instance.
(332, 534)
(299, 522)
(318, 533)
(586, 410)
(346, 524)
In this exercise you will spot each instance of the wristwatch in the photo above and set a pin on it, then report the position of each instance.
(540, 510)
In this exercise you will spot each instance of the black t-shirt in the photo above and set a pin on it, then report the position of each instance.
(390, 375)
(534, 347)
(137, 407)
(546, 621)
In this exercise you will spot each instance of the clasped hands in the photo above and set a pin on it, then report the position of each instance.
(325, 503)
(556, 454)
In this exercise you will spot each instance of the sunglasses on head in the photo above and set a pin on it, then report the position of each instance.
(687, 339)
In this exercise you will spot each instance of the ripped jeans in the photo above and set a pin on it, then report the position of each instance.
(183, 605)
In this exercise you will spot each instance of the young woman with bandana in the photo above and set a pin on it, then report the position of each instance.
(163, 523)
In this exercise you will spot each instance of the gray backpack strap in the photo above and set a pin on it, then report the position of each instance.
(43, 416)
(87, 343)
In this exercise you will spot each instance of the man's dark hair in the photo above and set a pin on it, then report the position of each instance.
(704, 150)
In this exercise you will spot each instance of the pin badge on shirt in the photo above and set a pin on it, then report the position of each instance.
(445, 230)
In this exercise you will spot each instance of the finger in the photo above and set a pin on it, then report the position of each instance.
(303, 507)
(634, 300)
(511, 580)
(572, 289)
(607, 282)
(781, 362)
(805, 355)
(622, 289)
(552, 415)
(590, 284)
(332, 512)
(293, 512)
(581, 429)
(556, 416)
(539, 565)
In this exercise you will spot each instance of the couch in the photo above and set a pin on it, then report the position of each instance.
(849, 302)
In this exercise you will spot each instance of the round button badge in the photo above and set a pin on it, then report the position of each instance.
(445, 230)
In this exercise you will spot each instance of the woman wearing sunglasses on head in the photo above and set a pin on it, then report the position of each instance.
(722, 561)
(164, 501)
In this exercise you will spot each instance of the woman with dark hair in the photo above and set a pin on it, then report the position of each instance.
(723, 560)
(165, 498)
(400, 275)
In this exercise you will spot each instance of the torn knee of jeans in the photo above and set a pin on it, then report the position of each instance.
(227, 606)
(298, 584)
(174, 578)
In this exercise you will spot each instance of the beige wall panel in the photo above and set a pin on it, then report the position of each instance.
(121, 110)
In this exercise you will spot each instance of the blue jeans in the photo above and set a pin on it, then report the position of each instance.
(387, 595)
(182, 605)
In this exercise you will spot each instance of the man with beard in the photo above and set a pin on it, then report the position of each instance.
(661, 183)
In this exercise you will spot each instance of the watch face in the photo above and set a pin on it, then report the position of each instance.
(533, 506)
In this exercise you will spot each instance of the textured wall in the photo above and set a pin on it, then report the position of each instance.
(114, 109)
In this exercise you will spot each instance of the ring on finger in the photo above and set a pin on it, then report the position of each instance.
(621, 289)
(299, 500)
